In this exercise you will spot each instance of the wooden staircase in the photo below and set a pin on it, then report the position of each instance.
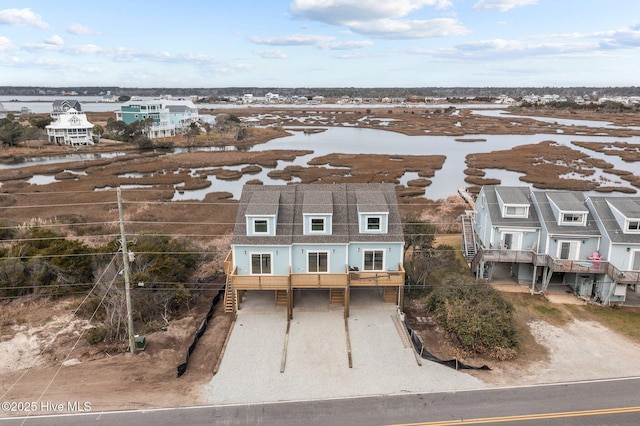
(468, 237)
(390, 294)
(281, 297)
(336, 296)
(229, 298)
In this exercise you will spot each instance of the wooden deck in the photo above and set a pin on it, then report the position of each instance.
(559, 265)
(337, 284)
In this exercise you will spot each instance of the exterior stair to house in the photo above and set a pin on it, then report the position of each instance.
(390, 294)
(229, 297)
(336, 296)
(468, 237)
(281, 297)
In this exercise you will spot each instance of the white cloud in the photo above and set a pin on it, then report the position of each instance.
(621, 39)
(294, 40)
(5, 44)
(502, 5)
(54, 40)
(271, 54)
(409, 29)
(339, 11)
(84, 49)
(22, 17)
(349, 45)
(379, 18)
(79, 29)
(515, 49)
(320, 41)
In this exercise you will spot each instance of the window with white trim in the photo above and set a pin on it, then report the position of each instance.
(318, 261)
(574, 219)
(515, 211)
(373, 223)
(317, 224)
(260, 226)
(633, 226)
(261, 263)
(373, 260)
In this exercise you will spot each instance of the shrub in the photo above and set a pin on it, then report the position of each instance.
(478, 319)
(95, 335)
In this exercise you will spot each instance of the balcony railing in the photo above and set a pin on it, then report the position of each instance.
(312, 280)
(561, 265)
(377, 278)
(319, 280)
(259, 282)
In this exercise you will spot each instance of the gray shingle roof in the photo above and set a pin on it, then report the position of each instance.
(513, 193)
(371, 202)
(317, 202)
(263, 203)
(568, 201)
(629, 206)
(292, 198)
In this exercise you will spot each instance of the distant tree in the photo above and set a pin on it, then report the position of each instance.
(418, 234)
(10, 132)
(191, 132)
(40, 121)
(115, 128)
(30, 133)
(98, 130)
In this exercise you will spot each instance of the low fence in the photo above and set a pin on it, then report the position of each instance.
(425, 354)
(182, 368)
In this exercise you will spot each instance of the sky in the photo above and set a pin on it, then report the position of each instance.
(320, 43)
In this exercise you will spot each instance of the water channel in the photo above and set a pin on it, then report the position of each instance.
(350, 140)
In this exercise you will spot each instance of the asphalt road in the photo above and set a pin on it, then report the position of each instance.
(603, 402)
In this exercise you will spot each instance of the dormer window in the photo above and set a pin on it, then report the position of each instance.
(260, 226)
(373, 223)
(317, 224)
(573, 219)
(633, 226)
(516, 211)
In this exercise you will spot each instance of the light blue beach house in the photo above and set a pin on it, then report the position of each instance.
(331, 237)
(169, 116)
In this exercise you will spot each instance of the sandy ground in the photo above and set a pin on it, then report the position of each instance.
(580, 350)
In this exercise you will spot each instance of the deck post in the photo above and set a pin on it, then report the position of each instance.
(289, 298)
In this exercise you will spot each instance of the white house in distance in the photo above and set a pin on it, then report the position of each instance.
(71, 128)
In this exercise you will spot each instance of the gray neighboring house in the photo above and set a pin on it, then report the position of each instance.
(505, 220)
(61, 106)
(618, 219)
(591, 244)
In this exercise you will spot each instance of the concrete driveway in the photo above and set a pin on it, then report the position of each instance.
(317, 360)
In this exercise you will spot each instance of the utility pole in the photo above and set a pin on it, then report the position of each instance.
(127, 282)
